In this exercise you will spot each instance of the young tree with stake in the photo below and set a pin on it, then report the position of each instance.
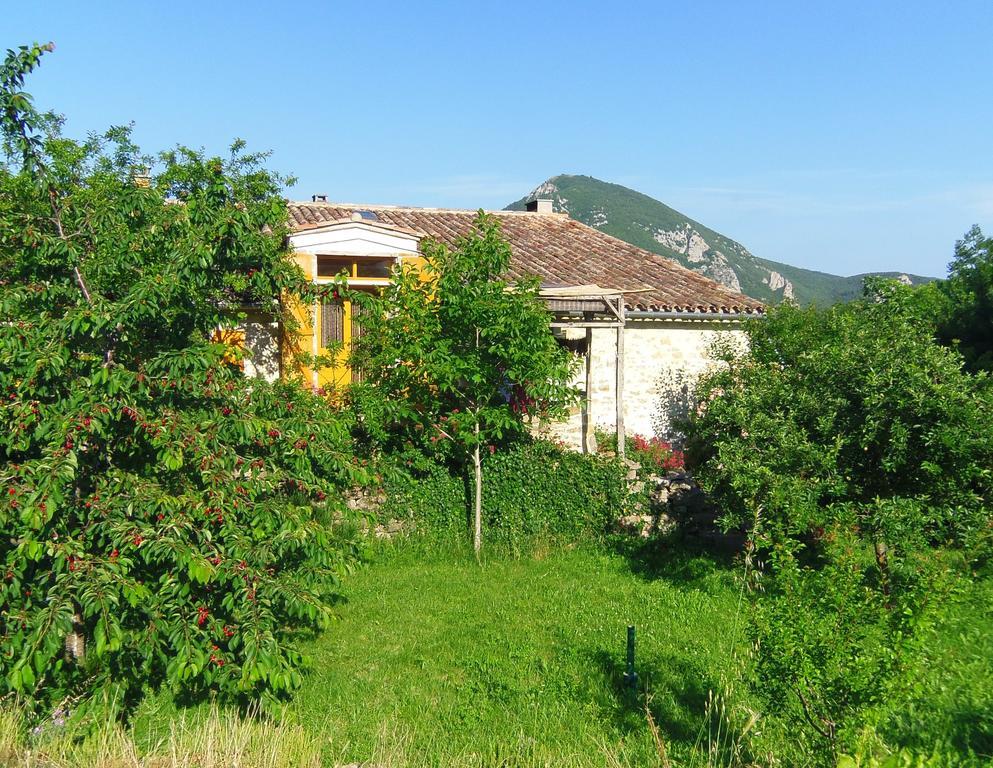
(465, 355)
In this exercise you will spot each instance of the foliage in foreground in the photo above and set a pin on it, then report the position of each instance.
(963, 304)
(220, 739)
(164, 517)
(462, 356)
(849, 444)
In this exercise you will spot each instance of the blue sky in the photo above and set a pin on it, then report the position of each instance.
(841, 136)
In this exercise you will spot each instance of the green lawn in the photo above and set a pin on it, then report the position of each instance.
(438, 660)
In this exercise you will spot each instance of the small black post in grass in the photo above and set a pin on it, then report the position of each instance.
(631, 677)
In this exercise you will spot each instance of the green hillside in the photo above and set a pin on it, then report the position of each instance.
(650, 224)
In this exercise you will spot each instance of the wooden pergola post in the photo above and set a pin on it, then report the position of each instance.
(620, 377)
(587, 420)
(597, 308)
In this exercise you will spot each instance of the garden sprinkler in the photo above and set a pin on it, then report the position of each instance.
(631, 677)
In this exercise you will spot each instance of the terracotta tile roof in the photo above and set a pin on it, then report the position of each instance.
(559, 251)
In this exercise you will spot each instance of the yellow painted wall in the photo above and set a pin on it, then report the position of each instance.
(338, 374)
(234, 339)
(299, 344)
(301, 339)
(307, 339)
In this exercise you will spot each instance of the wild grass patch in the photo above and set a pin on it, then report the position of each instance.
(212, 738)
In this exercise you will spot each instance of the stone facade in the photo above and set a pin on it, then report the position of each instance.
(652, 348)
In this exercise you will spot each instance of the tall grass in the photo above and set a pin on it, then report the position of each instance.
(216, 739)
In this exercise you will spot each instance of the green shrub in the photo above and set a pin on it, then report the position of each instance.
(536, 489)
(853, 448)
(832, 410)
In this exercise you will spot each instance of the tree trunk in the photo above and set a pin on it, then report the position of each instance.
(477, 532)
(883, 564)
(477, 462)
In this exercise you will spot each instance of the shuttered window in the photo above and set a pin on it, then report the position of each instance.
(332, 323)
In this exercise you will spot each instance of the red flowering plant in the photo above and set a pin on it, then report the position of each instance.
(654, 452)
(165, 519)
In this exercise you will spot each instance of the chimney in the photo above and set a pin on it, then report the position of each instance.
(541, 205)
(141, 176)
(318, 198)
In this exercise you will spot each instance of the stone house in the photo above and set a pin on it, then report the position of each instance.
(595, 285)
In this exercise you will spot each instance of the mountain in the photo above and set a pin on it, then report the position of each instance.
(654, 226)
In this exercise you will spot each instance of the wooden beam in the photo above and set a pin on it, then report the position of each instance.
(616, 309)
(619, 365)
(587, 419)
(584, 324)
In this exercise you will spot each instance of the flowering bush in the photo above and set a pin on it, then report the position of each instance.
(656, 453)
(652, 453)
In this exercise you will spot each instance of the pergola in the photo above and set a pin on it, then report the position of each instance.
(589, 307)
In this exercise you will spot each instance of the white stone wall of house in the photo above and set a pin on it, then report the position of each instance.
(569, 431)
(654, 352)
(652, 348)
(262, 347)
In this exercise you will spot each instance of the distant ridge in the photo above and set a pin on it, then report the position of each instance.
(654, 226)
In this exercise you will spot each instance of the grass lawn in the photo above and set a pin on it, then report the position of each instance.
(438, 660)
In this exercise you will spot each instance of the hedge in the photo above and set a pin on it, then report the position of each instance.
(533, 490)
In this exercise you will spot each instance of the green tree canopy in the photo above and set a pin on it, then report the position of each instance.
(465, 356)
(163, 516)
(848, 443)
(965, 317)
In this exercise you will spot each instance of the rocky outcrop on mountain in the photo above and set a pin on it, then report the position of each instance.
(699, 253)
(777, 282)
